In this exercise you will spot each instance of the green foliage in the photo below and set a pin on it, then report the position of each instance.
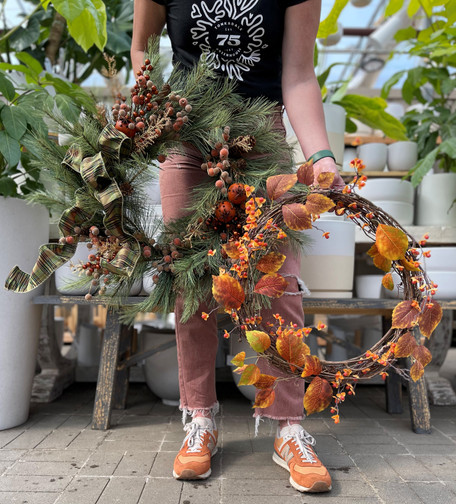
(329, 25)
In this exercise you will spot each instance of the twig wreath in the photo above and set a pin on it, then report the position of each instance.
(228, 241)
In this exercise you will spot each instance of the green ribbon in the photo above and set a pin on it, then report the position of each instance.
(113, 144)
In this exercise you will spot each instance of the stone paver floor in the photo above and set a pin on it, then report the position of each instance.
(374, 457)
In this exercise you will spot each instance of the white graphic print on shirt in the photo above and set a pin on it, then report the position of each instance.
(229, 35)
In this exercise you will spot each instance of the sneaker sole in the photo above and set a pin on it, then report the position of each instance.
(190, 474)
(317, 487)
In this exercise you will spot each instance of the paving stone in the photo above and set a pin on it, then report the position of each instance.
(74, 456)
(351, 488)
(66, 432)
(446, 449)
(437, 493)
(375, 468)
(88, 439)
(201, 492)
(328, 444)
(163, 465)
(101, 463)
(262, 444)
(28, 497)
(264, 499)
(256, 486)
(345, 473)
(128, 444)
(162, 491)
(31, 483)
(396, 493)
(410, 469)
(444, 426)
(83, 490)
(365, 439)
(379, 449)
(333, 461)
(44, 468)
(431, 439)
(11, 454)
(122, 491)
(135, 464)
(252, 465)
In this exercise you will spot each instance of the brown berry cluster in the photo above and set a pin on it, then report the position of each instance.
(218, 165)
(167, 253)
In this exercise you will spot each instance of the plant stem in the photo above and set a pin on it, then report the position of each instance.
(15, 28)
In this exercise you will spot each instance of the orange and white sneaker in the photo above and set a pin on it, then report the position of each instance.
(293, 451)
(194, 458)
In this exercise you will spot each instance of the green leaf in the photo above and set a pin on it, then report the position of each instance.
(25, 37)
(86, 21)
(448, 147)
(118, 41)
(393, 7)
(14, 120)
(30, 61)
(329, 25)
(405, 34)
(422, 167)
(322, 78)
(8, 187)
(67, 107)
(7, 87)
(394, 79)
(10, 149)
(350, 126)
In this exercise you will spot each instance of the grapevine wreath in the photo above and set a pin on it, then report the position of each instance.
(229, 241)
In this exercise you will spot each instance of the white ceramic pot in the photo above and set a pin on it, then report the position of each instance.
(349, 156)
(66, 274)
(236, 346)
(373, 155)
(399, 210)
(135, 290)
(395, 109)
(402, 156)
(435, 195)
(368, 286)
(335, 128)
(23, 229)
(161, 369)
(88, 345)
(442, 259)
(388, 189)
(360, 3)
(446, 282)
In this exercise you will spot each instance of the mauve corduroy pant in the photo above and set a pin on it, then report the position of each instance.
(197, 339)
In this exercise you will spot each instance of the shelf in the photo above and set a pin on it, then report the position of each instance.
(375, 174)
(353, 140)
(438, 235)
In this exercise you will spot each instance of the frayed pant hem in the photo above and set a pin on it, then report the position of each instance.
(260, 418)
(186, 411)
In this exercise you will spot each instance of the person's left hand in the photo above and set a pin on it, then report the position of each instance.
(328, 165)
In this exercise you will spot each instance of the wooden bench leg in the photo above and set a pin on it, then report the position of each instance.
(107, 372)
(393, 393)
(420, 414)
(123, 375)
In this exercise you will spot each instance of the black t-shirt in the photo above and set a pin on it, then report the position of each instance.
(242, 39)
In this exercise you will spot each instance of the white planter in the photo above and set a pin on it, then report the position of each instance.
(446, 281)
(402, 156)
(66, 275)
(388, 189)
(88, 345)
(335, 128)
(23, 229)
(399, 210)
(368, 286)
(435, 195)
(442, 259)
(373, 156)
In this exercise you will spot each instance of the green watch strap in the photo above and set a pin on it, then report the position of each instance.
(320, 155)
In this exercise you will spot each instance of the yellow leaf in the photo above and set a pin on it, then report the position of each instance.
(387, 281)
(238, 359)
(250, 375)
(258, 340)
(318, 395)
(271, 263)
(391, 242)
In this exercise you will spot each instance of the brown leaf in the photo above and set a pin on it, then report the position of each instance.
(231, 250)
(238, 359)
(296, 216)
(405, 345)
(278, 185)
(416, 371)
(405, 314)
(318, 395)
(290, 347)
(430, 318)
(318, 203)
(227, 291)
(387, 281)
(312, 366)
(264, 398)
(381, 262)
(265, 381)
(392, 242)
(325, 179)
(250, 375)
(271, 285)
(258, 340)
(306, 173)
(422, 355)
(271, 263)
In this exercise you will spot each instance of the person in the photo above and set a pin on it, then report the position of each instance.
(268, 47)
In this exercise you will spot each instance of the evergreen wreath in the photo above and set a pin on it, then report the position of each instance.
(228, 241)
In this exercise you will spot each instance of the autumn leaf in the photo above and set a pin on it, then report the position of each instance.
(258, 340)
(392, 243)
(265, 381)
(405, 314)
(306, 173)
(238, 359)
(312, 366)
(381, 262)
(405, 345)
(271, 285)
(278, 185)
(416, 371)
(271, 263)
(318, 395)
(387, 281)
(430, 318)
(296, 216)
(317, 204)
(409, 265)
(325, 179)
(231, 250)
(290, 347)
(422, 355)
(264, 398)
(250, 375)
(227, 291)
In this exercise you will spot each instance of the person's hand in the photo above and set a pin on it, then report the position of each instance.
(328, 164)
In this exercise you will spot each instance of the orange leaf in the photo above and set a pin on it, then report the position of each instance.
(271, 263)
(409, 265)
(391, 242)
(381, 262)
(265, 381)
(278, 185)
(296, 216)
(405, 345)
(325, 179)
(430, 318)
(291, 348)
(227, 291)
(258, 340)
(416, 371)
(312, 366)
(231, 250)
(318, 204)
(306, 173)
(250, 375)
(264, 398)
(238, 359)
(271, 285)
(422, 355)
(387, 281)
(405, 314)
(240, 370)
(318, 395)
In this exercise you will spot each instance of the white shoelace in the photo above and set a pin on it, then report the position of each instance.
(303, 440)
(194, 437)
